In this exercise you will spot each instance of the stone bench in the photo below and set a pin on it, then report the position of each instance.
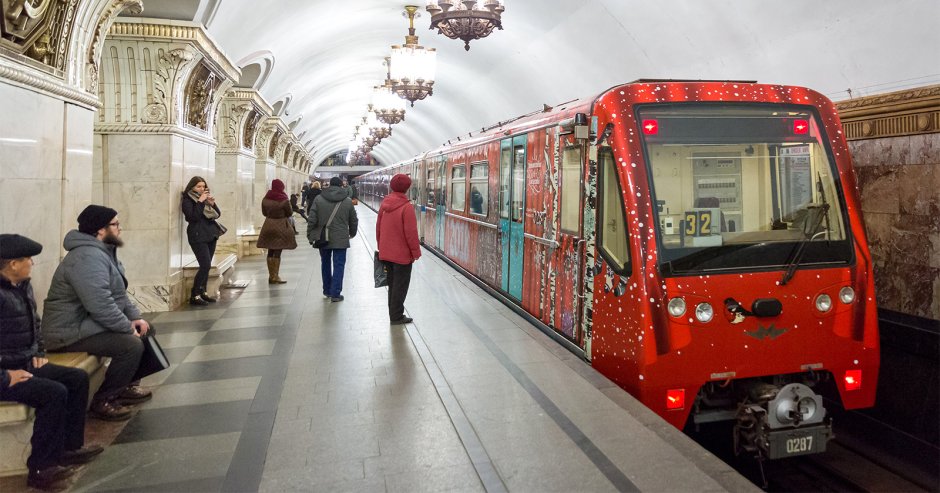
(223, 266)
(16, 420)
(248, 245)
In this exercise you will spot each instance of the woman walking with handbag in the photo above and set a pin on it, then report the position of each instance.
(203, 232)
(277, 234)
(331, 223)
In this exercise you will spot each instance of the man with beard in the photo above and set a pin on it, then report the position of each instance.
(88, 310)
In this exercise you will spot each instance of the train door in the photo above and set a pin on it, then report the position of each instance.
(512, 211)
(441, 206)
(569, 262)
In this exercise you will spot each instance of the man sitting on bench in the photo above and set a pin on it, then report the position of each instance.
(59, 393)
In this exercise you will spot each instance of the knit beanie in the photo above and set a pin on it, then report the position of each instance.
(400, 183)
(336, 181)
(95, 217)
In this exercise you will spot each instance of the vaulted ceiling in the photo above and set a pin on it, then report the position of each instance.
(318, 60)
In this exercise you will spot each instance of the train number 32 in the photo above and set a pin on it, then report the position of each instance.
(797, 445)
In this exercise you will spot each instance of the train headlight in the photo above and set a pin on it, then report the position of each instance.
(704, 312)
(823, 303)
(676, 307)
(847, 295)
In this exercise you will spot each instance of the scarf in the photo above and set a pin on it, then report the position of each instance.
(277, 191)
(207, 209)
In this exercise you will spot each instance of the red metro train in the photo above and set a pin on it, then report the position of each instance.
(699, 242)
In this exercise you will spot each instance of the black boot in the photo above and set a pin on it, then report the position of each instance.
(195, 300)
(206, 297)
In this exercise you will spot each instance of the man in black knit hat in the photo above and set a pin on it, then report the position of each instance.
(59, 394)
(88, 310)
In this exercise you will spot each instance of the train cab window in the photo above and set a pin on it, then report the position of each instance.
(458, 188)
(613, 232)
(479, 188)
(571, 189)
(740, 186)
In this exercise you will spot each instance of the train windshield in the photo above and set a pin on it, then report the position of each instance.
(741, 186)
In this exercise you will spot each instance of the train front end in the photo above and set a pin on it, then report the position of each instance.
(753, 268)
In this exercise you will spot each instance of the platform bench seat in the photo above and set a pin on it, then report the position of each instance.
(248, 245)
(223, 266)
(16, 420)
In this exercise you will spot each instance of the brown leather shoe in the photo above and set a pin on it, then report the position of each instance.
(109, 411)
(133, 395)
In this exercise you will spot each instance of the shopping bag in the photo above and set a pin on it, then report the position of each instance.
(153, 359)
(381, 275)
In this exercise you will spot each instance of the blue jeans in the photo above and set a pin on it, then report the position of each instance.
(332, 265)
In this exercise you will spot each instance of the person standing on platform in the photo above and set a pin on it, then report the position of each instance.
(58, 393)
(312, 195)
(304, 193)
(88, 311)
(276, 234)
(396, 234)
(200, 210)
(343, 226)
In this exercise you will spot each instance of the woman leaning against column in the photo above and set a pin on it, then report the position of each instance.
(276, 233)
(203, 232)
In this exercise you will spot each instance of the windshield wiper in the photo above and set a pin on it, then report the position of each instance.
(820, 211)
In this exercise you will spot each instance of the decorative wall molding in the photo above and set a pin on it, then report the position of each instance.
(124, 128)
(38, 33)
(105, 20)
(31, 79)
(909, 112)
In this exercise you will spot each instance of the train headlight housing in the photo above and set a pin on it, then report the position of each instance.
(704, 312)
(847, 295)
(823, 303)
(676, 307)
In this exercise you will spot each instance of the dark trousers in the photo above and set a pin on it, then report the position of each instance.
(124, 350)
(60, 395)
(204, 253)
(332, 269)
(399, 278)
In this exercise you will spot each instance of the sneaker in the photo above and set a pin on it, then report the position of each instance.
(83, 455)
(402, 321)
(133, 395)
(326, 296)
(206, 297)
(337, 299)
(109, 411)
(47, 476)
(195, 300)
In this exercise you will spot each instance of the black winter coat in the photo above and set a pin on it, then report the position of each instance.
(201, 229)
(20, 337)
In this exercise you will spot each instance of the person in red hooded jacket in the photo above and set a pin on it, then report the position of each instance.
(396, 233)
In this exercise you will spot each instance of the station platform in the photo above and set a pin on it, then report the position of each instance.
(275, 388)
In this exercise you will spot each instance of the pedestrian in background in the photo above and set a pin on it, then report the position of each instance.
(59, 394)
(396, 233)
(200, 210)
(276, 234)
(342, 227)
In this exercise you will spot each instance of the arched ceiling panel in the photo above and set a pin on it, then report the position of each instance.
(330, 55)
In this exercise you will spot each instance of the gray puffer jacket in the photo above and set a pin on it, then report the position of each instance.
(345, 224)
(88, 294)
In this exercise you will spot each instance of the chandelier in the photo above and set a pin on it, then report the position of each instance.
(388, 107)
(413, 66)
(467, 20)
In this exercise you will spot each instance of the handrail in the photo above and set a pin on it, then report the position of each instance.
(474, 221)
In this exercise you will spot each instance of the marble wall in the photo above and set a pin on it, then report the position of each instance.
(899, 182)
(45, 172)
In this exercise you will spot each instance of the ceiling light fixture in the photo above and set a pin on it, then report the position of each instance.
(413, 66)
(466, 19)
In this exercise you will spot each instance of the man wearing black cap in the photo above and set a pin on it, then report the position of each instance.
(88, 310)
(59, 394)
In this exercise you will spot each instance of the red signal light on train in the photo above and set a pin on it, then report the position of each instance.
(675, 399)
(853, 379)
(650, 127)
(800, 127)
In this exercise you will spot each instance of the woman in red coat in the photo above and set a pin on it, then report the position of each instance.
(396, 232)
(276, 233)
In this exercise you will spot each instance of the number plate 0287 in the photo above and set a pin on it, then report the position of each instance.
(789, 443)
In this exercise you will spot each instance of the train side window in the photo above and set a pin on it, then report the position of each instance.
(429, 190)
(613, 231)
(458, 188)
(571, 189)
(505, 158)
(479, 187)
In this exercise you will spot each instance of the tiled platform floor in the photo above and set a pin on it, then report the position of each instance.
(276, 389)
